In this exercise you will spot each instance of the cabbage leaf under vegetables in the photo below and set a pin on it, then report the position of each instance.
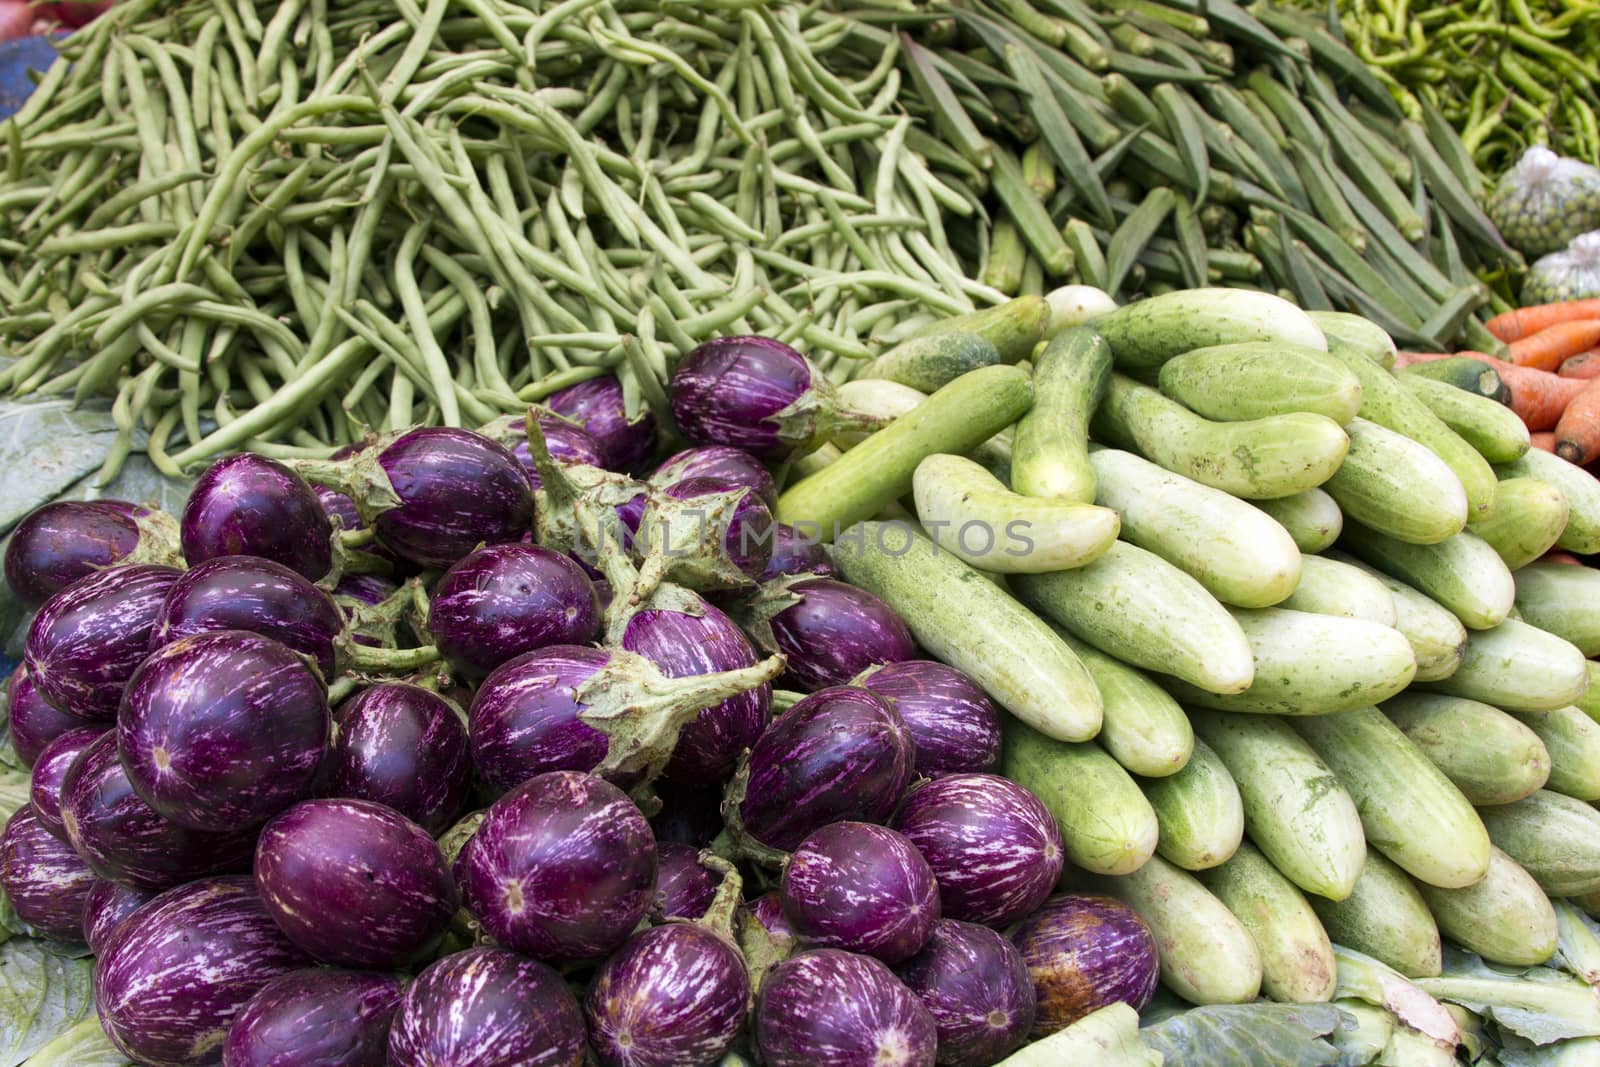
(1245, 1035)
(43, 994)
(84, 1045)
(1540, 1004)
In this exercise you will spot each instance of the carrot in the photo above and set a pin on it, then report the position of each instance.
(1550, 347)
(1543, 440)
(1582, 365)
(1538, 397)
(1561, 557)
(1578, 432)
(1515, 325)
(1405, 359)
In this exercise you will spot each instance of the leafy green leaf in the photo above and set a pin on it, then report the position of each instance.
(43, 994)
(85, 1045)
(14, 786)
(45, 448)
(1537, 1003)
(1580, 1052)
(1247, 1035)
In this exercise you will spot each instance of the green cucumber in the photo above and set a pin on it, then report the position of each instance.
(1312, 518)
(1107, 825)
(1050, 456)
(1015, 328)
(1554, 837)
(928, 362)
(1529, 517)
(1260, 459)
(1490, 756)
(1589, 703)
(1437, 637)
(884, 400)
(964, 619)
(1470, 375)
(1241, 556)
(1517, 667)
(1332, 587)
(1144, 728)
(1145, 334)
(1199, 812)
(1233, 383)
(1308, 664)
(1398, 487)
(1207, 956)
(1462, 573)
(1295, 809)
(1137, 607)
(1505, 918)
(1297, 964)
(1573, 741)
(1357, 334)
(1563, 599)
(1492, 428)
(956, 419)
(1410, 811)
(1386, 918)
(1582, 490)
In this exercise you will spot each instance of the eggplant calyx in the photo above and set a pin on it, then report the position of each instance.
(159, 541)
(686, 541)
(773, 598)
(360, 477)
(379, 621)
(453, 840)
(735, 842)
(817, 416)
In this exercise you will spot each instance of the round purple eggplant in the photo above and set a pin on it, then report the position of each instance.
(598, 406)
(486, 1007)
(955, 725)
(684, 888)
(675, 994)
(834, 1007)
(32, 721)
(249, 505)
(842, 753)
(976, 985)
(339, 507)
(44, 791)
(1084, 952)
(690, 814)
(87, 640)
(731, 465)
(44, 880)
(569, 445)
(315, 1018)
(525, 718)
(456, 490)
(255, 594)
(862, 888)
(795, 553)
(835, 632)
(768, 911)
(59, 543)
(705, 533)
(221, 731)
(403, 746)
(179, 969)
(562, 868)
(124, 840)
(994, 847)
(104, 908)
(504, 600)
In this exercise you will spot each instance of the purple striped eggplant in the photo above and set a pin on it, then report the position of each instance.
(689, 815)
(221, 731)
(832, 632)
(368, 589)
(486, 1007)
(249, 505)
(1084, 952)
(315, 1018)
(42, 878)
(598, 406)
(955, 725)
(568, 443)
(768, 911)
(354, 883)
(504, 600)
(179, 969)
(403, 746)
(796, 553)
(339, 507)
(562, 868)
(104, 908)
(32, 722)
(834, 1007)
(88, 639)
(674, 994)
(123, 839)
(725, 464)
(862, 888)
(842, 753)
(975, 984)
(684, 888)
(994, 847)
(255, 594)
(50, 771)
(704, 533)
(59, 543)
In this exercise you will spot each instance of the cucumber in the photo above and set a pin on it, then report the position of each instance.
(972, 515)
(1462, 573)
(1309, 664)
(965, 620)
(1437, 637)
(1410, 811)
(1241, 556)
(928, 362)
(1573, 741)
(1234, 383)
(1145, 334)
(1398, 487)
(1198, 810)
(1490, 756)
(1492, 428)
(1106, 823)
(1470, 375)
(1554, 837)
(1386, 918)
(1260, 459)
(1331, 587)
(1589, 703)
(1015, 328)
(1106, 1037)
(1356, 333)
(1529, 517)
(956, 419)
(885, 400)
(1050, 456)
(1295, 810)
(1312, 518)
(1582, 490)
(1207, 956)
(1505, 918)
(1137, 607)
(1563, 599)
(1144, 728)
(1297, 964)
(1517, 667)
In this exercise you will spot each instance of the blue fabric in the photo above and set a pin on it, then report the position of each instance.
(16, 59)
